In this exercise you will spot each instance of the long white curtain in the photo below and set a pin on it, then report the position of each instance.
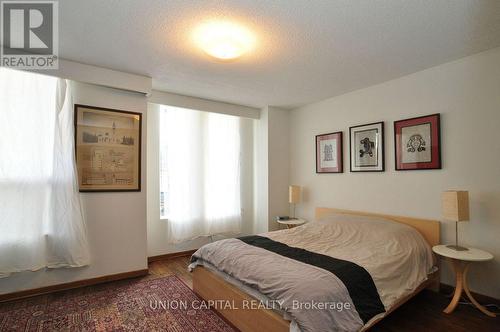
(201, 173)
(41, 221)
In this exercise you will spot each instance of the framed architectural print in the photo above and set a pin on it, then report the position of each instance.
(329, 153)
(366, 144)
(108, 149)
(417, 143)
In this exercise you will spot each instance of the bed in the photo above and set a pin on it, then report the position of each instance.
(344, 271)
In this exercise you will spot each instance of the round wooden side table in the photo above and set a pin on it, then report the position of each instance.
(460, 261)
(291, 223)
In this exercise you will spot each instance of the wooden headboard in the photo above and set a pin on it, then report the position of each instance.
(428, 228)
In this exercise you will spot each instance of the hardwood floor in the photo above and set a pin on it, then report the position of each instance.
(177, 266)
(422, 313)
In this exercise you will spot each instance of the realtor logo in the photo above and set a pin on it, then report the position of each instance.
(29, 34)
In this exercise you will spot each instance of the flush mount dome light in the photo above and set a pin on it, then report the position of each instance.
(223, 40)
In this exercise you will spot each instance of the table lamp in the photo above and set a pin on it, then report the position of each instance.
(455, 205)
(294, 197)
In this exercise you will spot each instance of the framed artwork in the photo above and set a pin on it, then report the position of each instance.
(417, 143)
(107, 149)
(329, 153)
(366, 144)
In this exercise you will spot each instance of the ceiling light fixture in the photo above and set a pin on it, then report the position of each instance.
(223, 40)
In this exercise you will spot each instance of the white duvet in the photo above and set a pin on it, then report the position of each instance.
(397, 257)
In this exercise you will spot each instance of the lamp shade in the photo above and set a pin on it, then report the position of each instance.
(455, 205)
(294, 194)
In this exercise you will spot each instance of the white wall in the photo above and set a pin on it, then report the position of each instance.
(278, 163)
(201, 104)
(261, 172)
(271, 173)
(99, 76)
(116, 222)
(156, 227)
(467, 94)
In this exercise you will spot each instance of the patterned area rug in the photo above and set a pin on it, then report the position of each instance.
(160, 304)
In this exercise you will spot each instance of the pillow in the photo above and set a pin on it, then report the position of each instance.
(371, 226)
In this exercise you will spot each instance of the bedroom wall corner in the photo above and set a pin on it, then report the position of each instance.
(261, 173)
(279, 168)
(271, 173)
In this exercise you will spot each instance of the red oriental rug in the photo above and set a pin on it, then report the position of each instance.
(160, 304)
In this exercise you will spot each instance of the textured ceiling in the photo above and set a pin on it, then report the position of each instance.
(307, 50)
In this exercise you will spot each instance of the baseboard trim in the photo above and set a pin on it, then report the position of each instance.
(171, 255)
(71, 285)
(483, 299)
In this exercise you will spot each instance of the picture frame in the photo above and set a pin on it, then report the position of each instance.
(329, 153)
(417, 143)
(107, 149)
(367, 148)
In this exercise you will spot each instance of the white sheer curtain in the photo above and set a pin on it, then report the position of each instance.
(201, 173)
(41, 221)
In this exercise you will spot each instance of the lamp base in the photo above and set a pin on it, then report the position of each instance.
(456, 248)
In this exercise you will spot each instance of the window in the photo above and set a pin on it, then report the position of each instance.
(199, 173)
(163, 181)
(41, 222)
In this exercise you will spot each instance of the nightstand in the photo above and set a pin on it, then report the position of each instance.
(461, 261)
(291, 223)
